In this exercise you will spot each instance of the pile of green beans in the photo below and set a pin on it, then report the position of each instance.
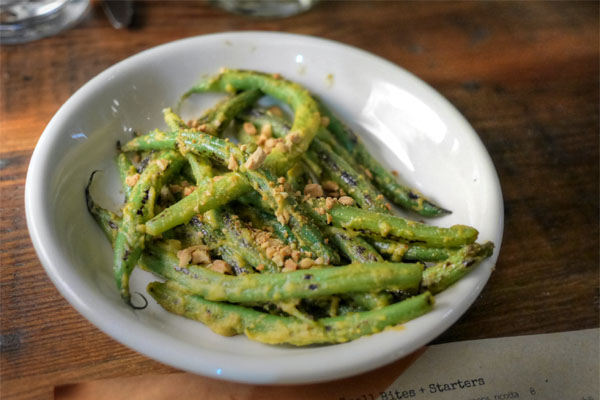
(280, 228)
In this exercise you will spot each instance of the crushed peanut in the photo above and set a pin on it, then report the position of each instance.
(221, 267)
(394, 172)
(131, 180)
(286, 251)
(270, 251)
(289, 265)
(278, 259)
(369, 174)
(271, 142)
(306, 263)
(185, 255)
(330, 186)
(330, 202)
(261, 140)
(249, 128)
(379, 197)
(282, 147)
(162, 164)
(295, 255)
(346, 200)
(233, 165)
(188, 190)
(266, 130)
(256, 159)
(200, 256)
(329, 219)
(313, 190)
(320, 210)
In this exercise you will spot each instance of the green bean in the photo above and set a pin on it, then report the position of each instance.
(222, 151)
(312, 164)
(174, 121)
(108, 221)
(306, 114)
(209, 194)
(126, 169)
(201, 167)
(386, 182)
(321, 157)
(263, 181)
(139, 207)
(242, 239)
(307, 235)
(155, 140)
(353, 246)
(216, 241)
(358, 251)
(398, 251)
(227, 227)
(381, 224)
(297, 176)
(369, 301)
(287, 211)
(260, 117)
(279, 128)
(263, 220)
(215, 120)
(229, 319)
(312, 283)
(442, 275)
(348, 179)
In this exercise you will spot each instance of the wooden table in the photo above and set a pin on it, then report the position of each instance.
(526, 75)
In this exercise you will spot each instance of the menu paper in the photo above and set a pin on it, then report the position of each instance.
(556, 366)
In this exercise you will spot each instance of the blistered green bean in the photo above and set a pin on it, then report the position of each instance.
(313, 283)
(388, 225)
(229, 319)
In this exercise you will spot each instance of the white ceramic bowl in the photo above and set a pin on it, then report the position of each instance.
(408, 125)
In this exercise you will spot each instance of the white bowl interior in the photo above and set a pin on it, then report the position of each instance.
(407, 125)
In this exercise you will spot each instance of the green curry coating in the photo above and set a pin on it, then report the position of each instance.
(442, 275)
(230, 319)
(350, 217)
(130, 238)
(321, 157)
(307, 118)
(126, 169)
(311, 283)
(398, 251)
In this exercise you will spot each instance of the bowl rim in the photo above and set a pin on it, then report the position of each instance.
(237, 368)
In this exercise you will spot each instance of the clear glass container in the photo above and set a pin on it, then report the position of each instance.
(26, 20)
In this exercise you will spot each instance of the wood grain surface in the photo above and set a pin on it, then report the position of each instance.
(525, 74)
